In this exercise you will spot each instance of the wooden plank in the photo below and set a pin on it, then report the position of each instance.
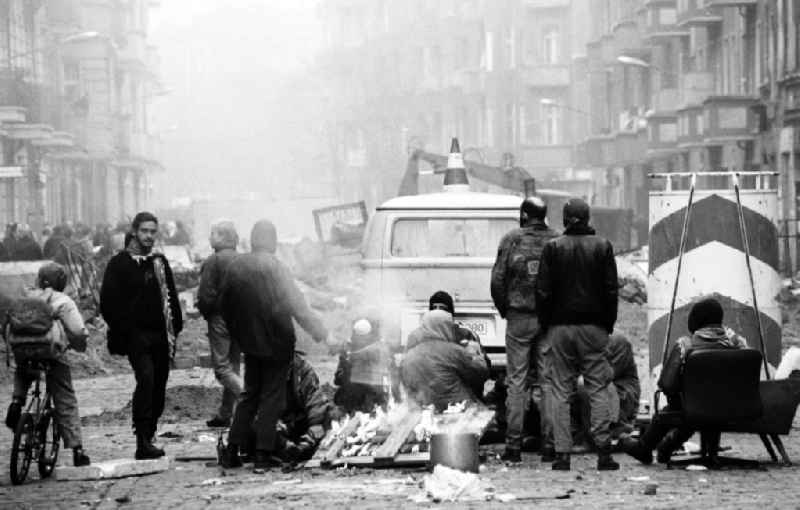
(388, 450)
(341, 441)
(361, 461)
(330, 437)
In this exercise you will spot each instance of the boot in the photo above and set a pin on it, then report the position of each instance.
(13, 414)
(153, 442)
(79, 458)
(671, 442)
(604, 460)
(264, 460)
(636, 449)
(561, 462)
(145, 448)
(230, 457)
(548, 454)
(511, 455)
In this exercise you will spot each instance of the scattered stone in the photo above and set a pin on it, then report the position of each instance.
(650, 489)
(120, 468)
(123, 499)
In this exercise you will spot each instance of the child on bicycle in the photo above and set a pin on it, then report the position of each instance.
(52, 279)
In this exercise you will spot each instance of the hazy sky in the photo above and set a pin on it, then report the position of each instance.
(226, 65)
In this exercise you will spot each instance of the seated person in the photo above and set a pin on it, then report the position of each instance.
(705, 325)
(303, 422)
(436, 369)
(362, 370)
(69, 327)
(441, 300)
(624, 392)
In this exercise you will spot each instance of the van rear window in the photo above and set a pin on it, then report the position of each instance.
(449, 237)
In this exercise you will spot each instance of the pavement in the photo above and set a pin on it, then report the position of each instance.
(195, 484)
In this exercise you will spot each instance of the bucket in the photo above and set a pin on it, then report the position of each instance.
(456, 451)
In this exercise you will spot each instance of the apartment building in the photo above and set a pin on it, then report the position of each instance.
(406, 74)
(678, 85)
(77, 77)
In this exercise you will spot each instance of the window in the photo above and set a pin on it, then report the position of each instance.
(527, 125)
(449, 237)
(510, 124)
(551, 47)
(511, 53)
(487, 58)
(731, 117)
(551, 125)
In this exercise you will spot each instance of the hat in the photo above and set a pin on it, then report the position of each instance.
(707, 312)
(443, 298)
(576, 211)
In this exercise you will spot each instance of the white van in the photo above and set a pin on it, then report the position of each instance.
(416, 245)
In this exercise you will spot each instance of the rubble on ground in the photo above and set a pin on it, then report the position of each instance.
(632, 276)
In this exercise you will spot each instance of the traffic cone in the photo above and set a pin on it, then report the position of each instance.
(455, 177)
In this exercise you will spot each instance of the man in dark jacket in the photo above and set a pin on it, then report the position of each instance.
(225, 356)
(576, 298)
(436, 369)
(512, 287)
(705, 325)
(139, 303)
(302, 425)
(259, 300)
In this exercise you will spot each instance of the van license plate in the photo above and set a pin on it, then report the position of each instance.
(481, 327)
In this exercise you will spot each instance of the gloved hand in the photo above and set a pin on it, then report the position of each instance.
(306, 446)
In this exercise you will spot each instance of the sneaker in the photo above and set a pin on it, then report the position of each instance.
(511, 455)
(606, 463)
(79, 458)
(13, 414)
(217, 422)
(637, 450)
(561, 462)
(548, 454)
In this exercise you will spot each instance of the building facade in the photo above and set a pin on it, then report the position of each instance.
(691, 85)
(77, 77)
(402, 75)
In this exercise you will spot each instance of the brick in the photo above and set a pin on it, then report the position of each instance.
(119, 468)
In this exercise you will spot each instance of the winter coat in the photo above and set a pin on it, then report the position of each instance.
(704, 339)
(626, 376)
(130, 299)
(27, 249)
(211, 281)
(516, 267)
(577, 280)
(68, 328)
(437, 370)
(307, 407)
(258, 301)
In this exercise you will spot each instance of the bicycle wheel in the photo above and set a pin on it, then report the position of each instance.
(22, 449)
(49, 439)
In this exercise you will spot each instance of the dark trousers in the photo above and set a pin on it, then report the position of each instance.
(262, 403)
(656, 431)
(148, 355)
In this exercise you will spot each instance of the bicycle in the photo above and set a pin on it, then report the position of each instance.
(36, 434)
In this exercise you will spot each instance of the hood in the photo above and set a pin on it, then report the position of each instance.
(437, 325)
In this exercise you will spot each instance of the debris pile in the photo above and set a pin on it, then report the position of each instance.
(632, 276)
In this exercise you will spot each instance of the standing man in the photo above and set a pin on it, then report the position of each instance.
(258, 301)
(513, 283)
(224, 354)
(576, 296)
(140, 305)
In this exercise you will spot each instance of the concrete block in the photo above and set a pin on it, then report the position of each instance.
(120, 468)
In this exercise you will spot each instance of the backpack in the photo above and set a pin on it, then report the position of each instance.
(29, 330)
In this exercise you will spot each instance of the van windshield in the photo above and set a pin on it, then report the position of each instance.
(449, 237)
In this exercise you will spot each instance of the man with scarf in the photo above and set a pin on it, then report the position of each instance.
(139, 303)
(576, 299)
(259, 302)
(225, 356)
(707, 333)
(513, 280)
(436, 369)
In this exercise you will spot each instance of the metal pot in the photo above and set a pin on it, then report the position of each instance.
(457, 451)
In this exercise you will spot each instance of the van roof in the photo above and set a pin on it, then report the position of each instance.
(463, 200)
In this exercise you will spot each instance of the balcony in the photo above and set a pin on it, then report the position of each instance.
(731, 3)
(546, 76)
(628, 39)
(630, 148)
(729, 118)
(662, 134)
(697, 12)
(691, 126)
(661, 21)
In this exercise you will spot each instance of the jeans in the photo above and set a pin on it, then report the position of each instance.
(525, 348)
(65, 403)
(148, 355)
(225, 358)
(261, 405)
(579, 350)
